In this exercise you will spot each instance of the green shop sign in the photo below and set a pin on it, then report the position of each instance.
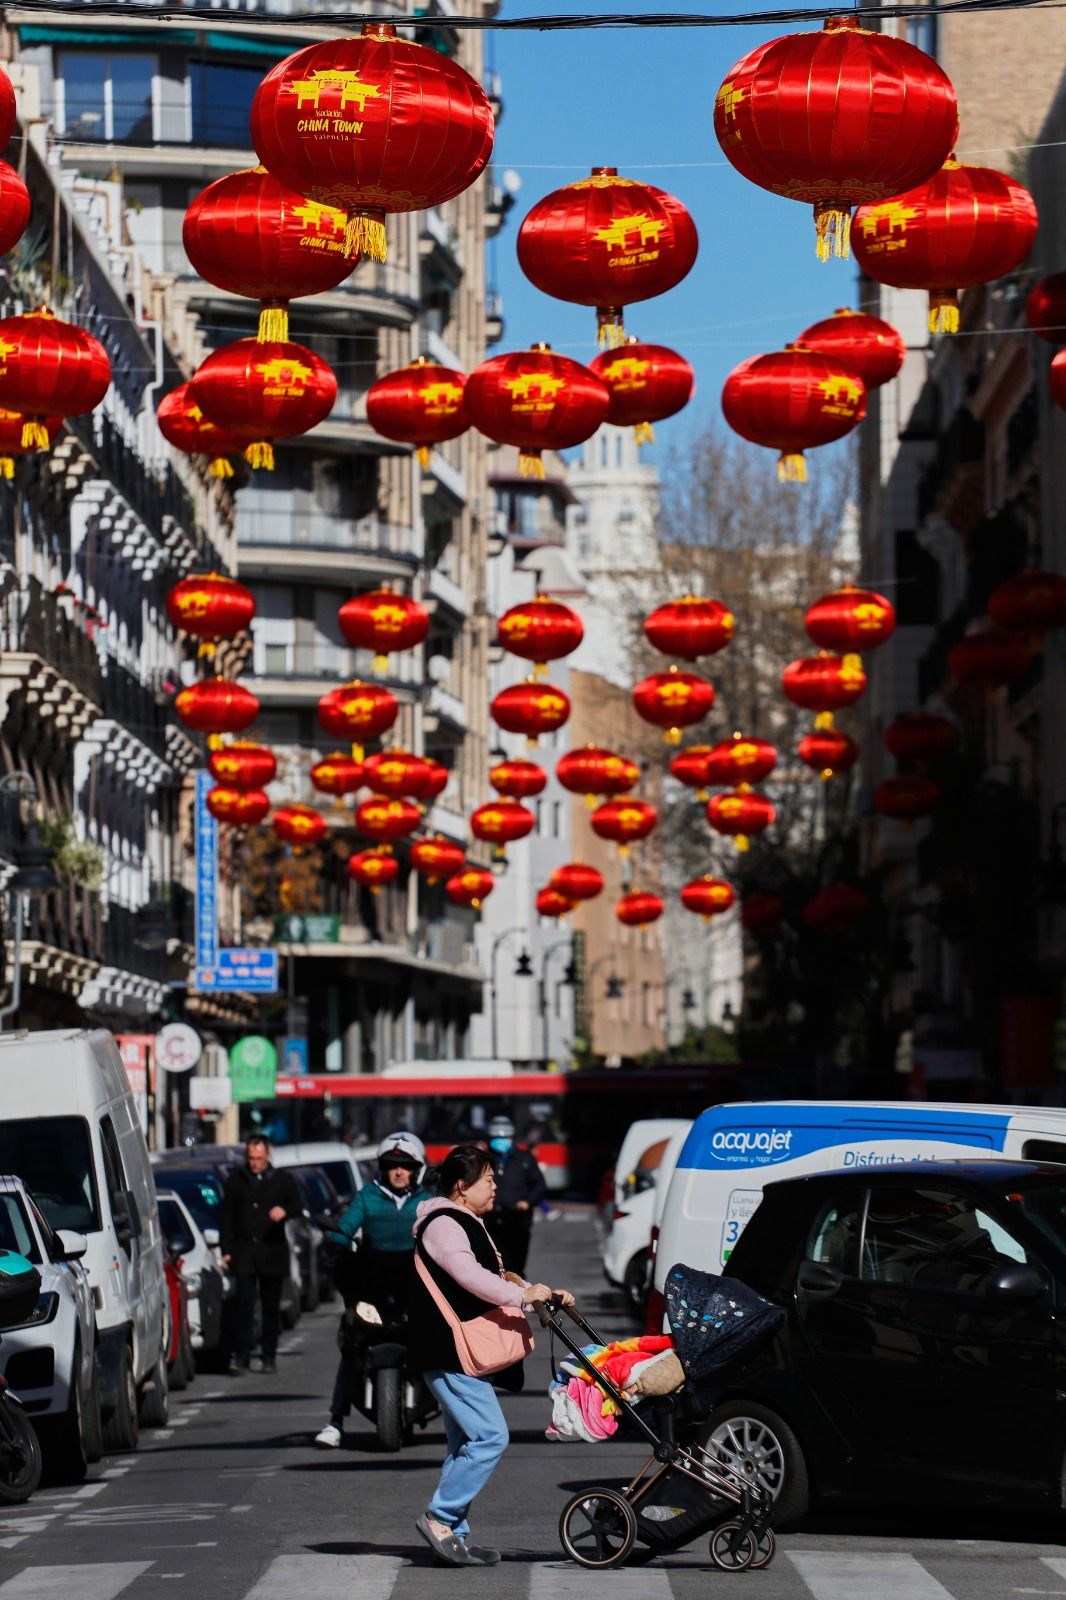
(307, 929)
(253, 1066)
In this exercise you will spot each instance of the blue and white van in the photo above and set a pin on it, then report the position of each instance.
(733, 1150)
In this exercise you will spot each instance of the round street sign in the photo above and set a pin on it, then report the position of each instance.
(177, 1047)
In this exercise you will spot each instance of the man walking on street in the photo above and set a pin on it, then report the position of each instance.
(520, 1188)
(257, 1202)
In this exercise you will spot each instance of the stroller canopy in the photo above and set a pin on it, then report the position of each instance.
(714, 1320)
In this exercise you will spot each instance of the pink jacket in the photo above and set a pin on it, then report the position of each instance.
(447, 1245)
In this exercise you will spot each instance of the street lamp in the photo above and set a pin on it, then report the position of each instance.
(34, 874)
(496, 943)
(560, 944)
(614, 990)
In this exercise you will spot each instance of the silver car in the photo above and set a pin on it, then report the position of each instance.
(50, 1361)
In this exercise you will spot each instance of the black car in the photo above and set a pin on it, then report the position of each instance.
(923, 1357)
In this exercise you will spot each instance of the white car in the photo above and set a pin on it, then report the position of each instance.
(205, 1277)
(339, 1161)
(627, 1250)
(51, 1361)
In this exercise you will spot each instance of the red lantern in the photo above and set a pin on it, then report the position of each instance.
(824, 683)
(647, 383)
(536, 400)
(7, 109)
(1045, 308)
(866, 345)
(531, 708)
(920, 736)
(372, 868)
(437, 779)
(358, 711)
(624, 821)
(738, 813)
(690, 627)
(11, 446)
(540, 630)
(707, 896)
(49, 368)
(241, 808)
(337, 774)
(421, 404)
(518, 780)
(183, 425)
(372, 124)
(592, 771)
(210, 606)
(835, 118)
(576, 880)
(1033, 602)
(793, 400)
(690, 768)
(850, 620)
(906, 797)
(828, 752)
(638, 908)
(263, 392)
(673, 700)
(836, 909)
(741, 760)
(387, 820)
(397, 773)
(967, 225)
(550, 903)
(436, 858)
(14, 208)
(761, 913)
(383, 622)
(215, 706)
(243, 765)
(247, 233)
(470, 888)
(299, 825)
(608, 242)
(992, 658)
(501, 822)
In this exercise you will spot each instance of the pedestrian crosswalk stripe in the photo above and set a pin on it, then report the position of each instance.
(102, 1581)
(866, 1577)
(562, 1580)
(1057, 1565)
(315, 1577)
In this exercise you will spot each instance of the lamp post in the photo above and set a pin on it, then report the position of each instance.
(560, 944)
(496, 943)
(615, 988)
(33, 875)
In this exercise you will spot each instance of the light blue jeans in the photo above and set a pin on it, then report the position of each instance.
(477, 1437)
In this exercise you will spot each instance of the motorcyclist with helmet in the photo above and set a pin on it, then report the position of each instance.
(384, 1212)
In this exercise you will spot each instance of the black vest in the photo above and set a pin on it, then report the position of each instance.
(430, 1345)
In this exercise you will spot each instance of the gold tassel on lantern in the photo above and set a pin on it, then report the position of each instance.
(273, 322)
(823, 720)
(260, 453)
(833, 228)
(358, 753)
(7, 467)
(943, 311)
(742, 841)
(792, 467)
(591, 801)
(851, 664)
(379, 666)
(672, 736)
(215, 741)
(34, 434)
(530, 464)
(221, 467)
(610, 334)
(365, 236)
(422, 453)
(644, 433)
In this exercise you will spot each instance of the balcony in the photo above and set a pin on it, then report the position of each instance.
(308, 544)
(439, 251)
(444, 594)
(48, 663)
(445, 715)
(494, 323)
(297, 674)
(443, 488)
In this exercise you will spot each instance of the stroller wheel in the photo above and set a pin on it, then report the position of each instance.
(597, 1528)
(765, 1550)
(732, 1550)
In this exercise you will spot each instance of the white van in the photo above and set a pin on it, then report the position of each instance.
(339, 1161)
(71, 1130)
(733, 1150)
(627, 1248)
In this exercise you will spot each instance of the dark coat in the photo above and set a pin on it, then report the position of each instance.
(247, 1235)
(519, 1178)
(430, 1342)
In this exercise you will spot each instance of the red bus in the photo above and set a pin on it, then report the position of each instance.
(575, 1120)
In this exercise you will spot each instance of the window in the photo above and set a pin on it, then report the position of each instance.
(835, 1234)
(15, 1231)
(201, 1191)
(1052, 1150)
(176, 1230)
(114, 1176)
(107, 96)
(276, 660)
(933, 1239)
(52, 1157)
(222, 102)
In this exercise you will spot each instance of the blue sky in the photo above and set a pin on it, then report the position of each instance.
(642, 100)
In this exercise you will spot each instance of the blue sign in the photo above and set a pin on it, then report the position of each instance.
(206, 897)
(240, 971)
(295, 1058)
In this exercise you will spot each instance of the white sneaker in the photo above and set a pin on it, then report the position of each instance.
(329, 1438)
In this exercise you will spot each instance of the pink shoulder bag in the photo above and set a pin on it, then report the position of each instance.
(488, 1343)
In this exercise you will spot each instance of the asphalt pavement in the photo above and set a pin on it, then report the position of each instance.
(233, 1502)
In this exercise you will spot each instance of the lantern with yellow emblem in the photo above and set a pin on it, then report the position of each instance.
(373, 869)
(624, 822)
(299, 825)
(358, 711)
(470, 887)
(337, 774)
(865, 345)
(518, 780)
(540, 630)
(387, 820)
(639, 908)
(397, 774)
(421, 404)
(436, 857)
(673, 700)
(576, 880)
(647, 383)
(500, 823)
(210, 607)
(823, 683)
(240, 808)
(690, 627)
(850, 620)
(594, 772)
(741, 759)
(550, 903)
(216, 706)
(262, 392)
(383, 622)
(183, 425)
(828, 752)
(739, 813)
(535, 400)
(708, 896)
(243, 764)
(793, 400)
(531, 708)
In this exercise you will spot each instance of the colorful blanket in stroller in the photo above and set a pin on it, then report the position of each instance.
(581, 1410)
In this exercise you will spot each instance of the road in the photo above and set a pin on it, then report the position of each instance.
(232, 1502)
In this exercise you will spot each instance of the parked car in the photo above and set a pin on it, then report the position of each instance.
(322, 1202)
(50, 1361)
(339, 1161)
(920, 1358)
(207, 1281)
(181, 1368)
(71, 1129)
(627, 1247)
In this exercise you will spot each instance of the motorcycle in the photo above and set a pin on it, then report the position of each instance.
(373, 1344)
(20, 1450)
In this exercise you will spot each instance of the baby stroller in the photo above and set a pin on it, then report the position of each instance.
(681, 1491)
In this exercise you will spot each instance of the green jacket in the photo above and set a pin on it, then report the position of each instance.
(386, 1225)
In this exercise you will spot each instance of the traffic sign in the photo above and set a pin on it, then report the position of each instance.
(241, 970)
(177, 1047)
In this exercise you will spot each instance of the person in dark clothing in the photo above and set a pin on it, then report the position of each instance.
(520, 1188)
(257, 1201)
